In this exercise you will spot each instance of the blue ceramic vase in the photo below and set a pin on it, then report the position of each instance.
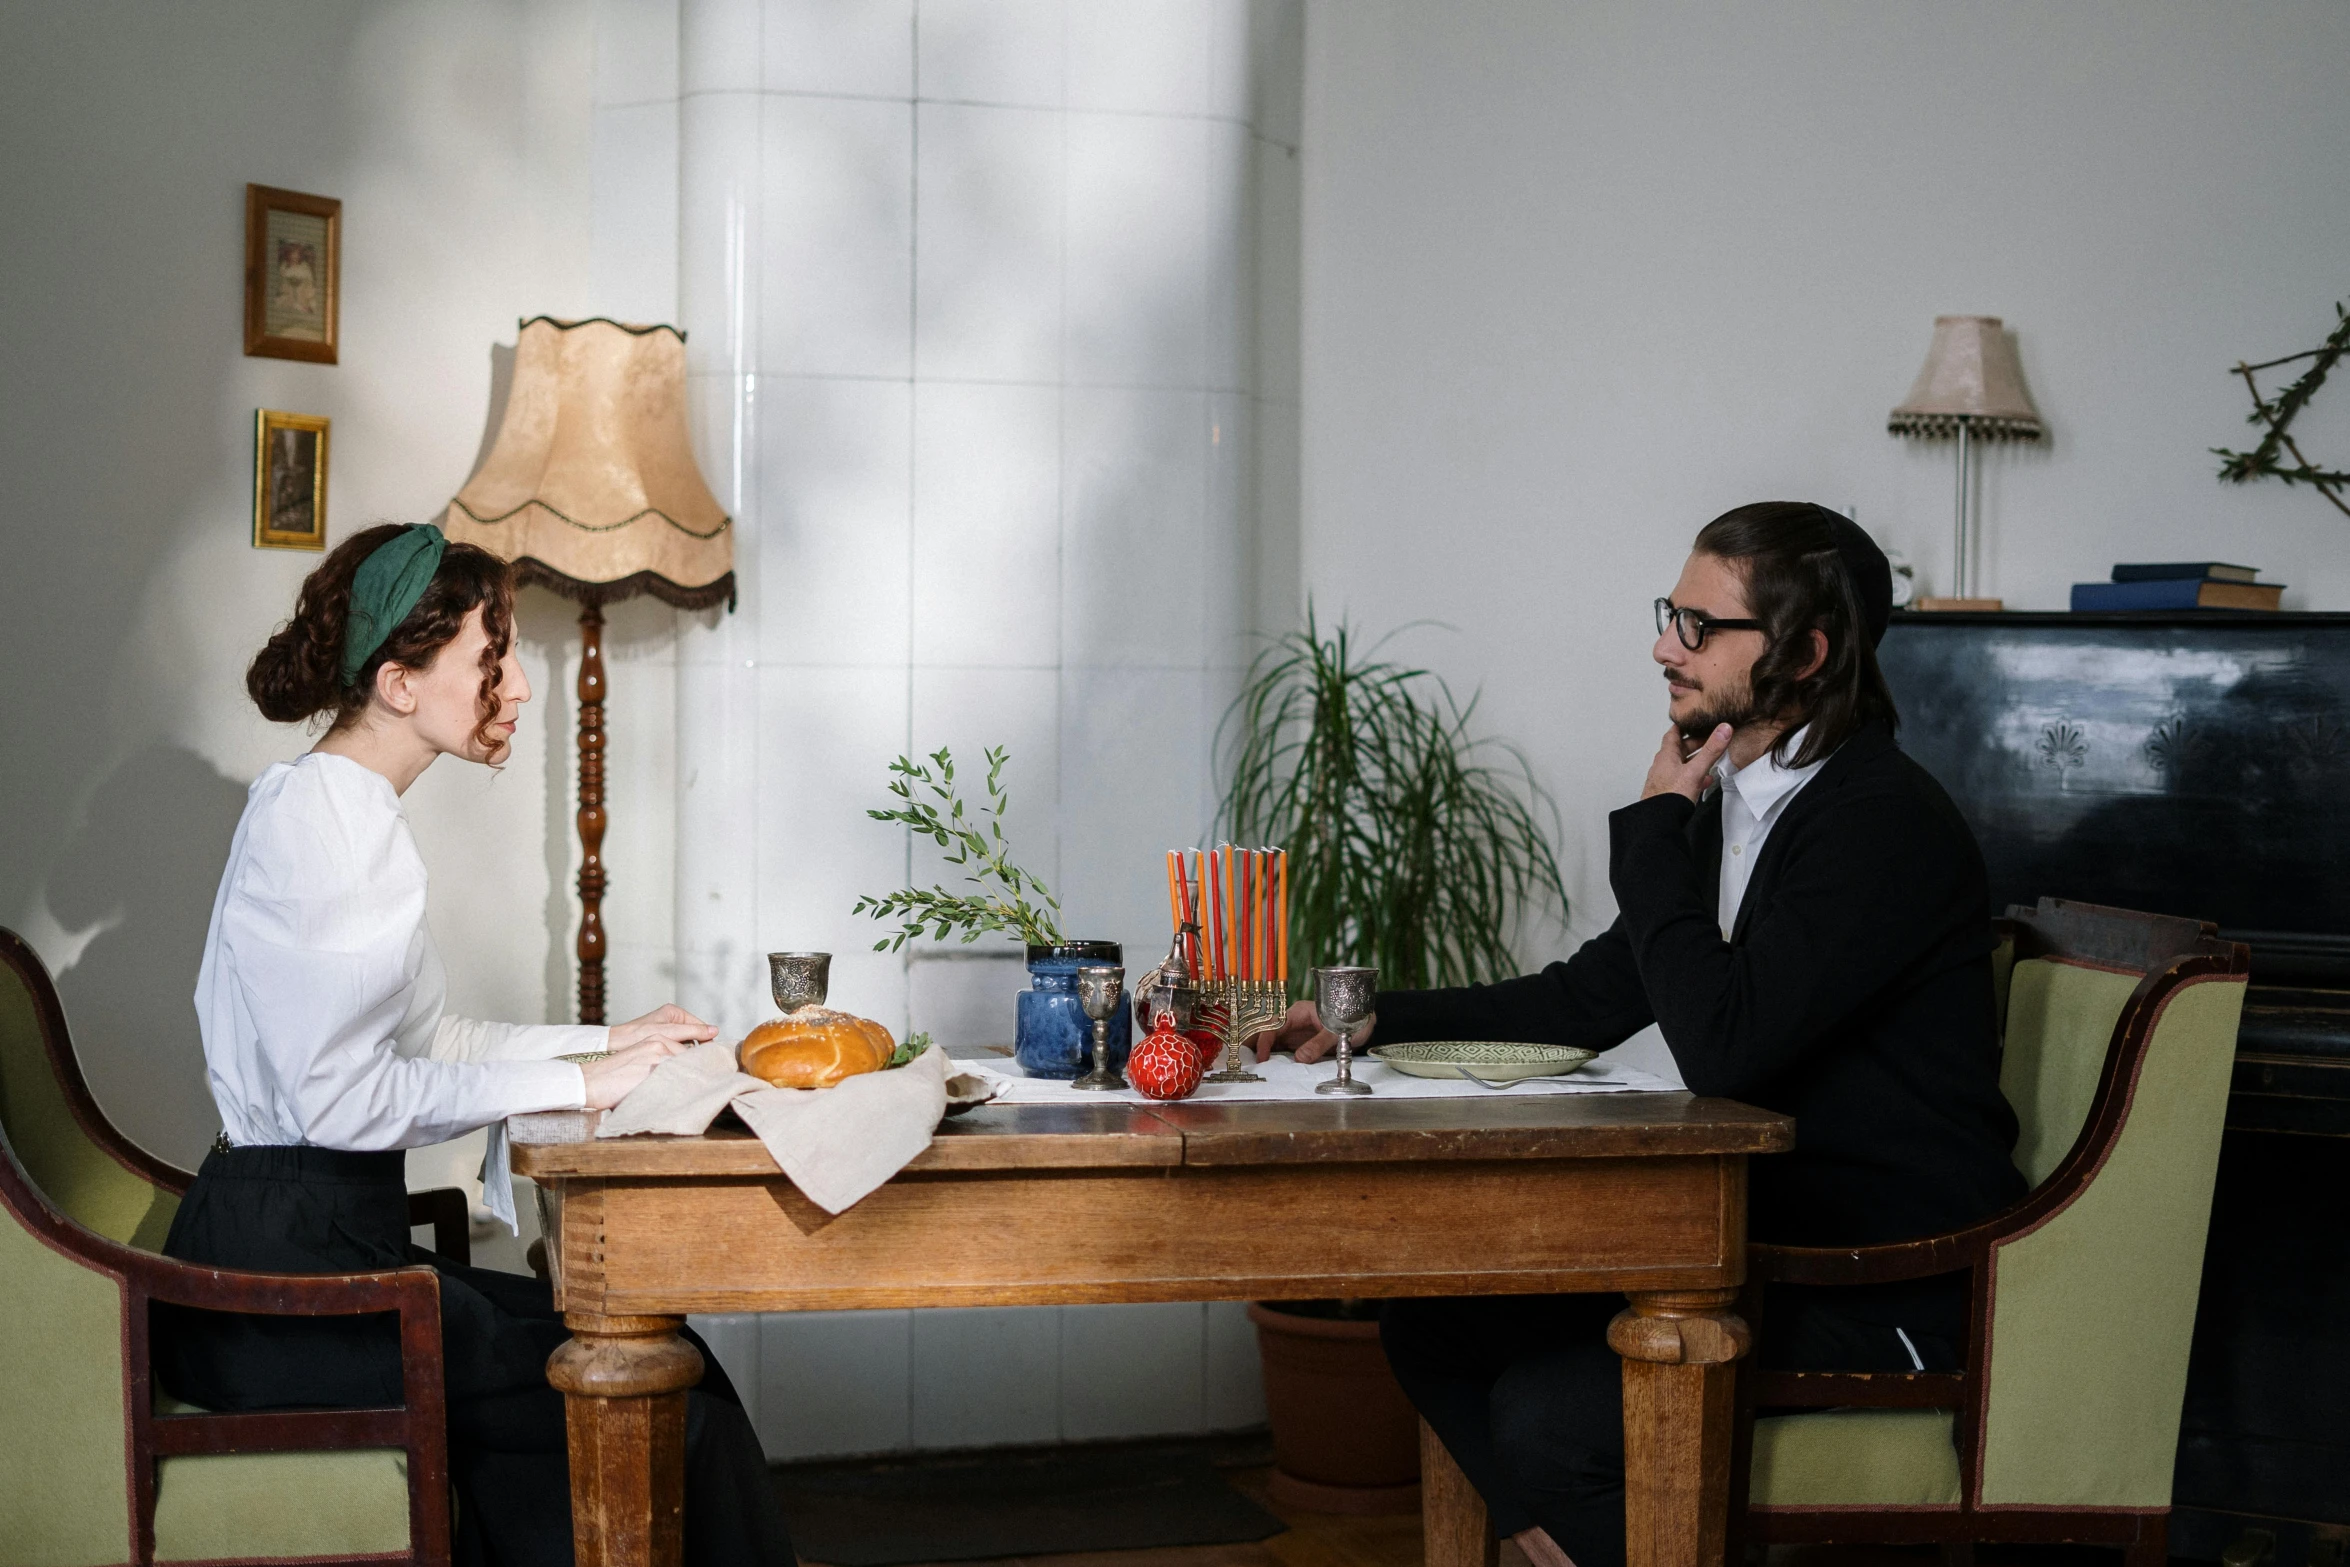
(1054, 1037)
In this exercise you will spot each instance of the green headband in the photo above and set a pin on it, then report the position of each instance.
(386, 587)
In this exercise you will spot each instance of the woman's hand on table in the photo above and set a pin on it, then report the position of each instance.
(611, 1078)
(669, 1022)
(1302, 1031)
(637, 1046)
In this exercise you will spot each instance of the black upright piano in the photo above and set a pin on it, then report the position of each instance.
(2198, 764)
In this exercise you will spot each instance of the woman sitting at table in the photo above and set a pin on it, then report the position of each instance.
(321, 1004)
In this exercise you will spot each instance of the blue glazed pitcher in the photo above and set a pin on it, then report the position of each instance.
(1053, 1037)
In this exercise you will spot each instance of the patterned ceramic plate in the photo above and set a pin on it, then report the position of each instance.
(1487, 1060)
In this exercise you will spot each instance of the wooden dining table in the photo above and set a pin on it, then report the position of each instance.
(1638, 1193)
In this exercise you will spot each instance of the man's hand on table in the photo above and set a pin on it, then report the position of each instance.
(1302, 1031)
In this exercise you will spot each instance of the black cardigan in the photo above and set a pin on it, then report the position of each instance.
(1854, 994)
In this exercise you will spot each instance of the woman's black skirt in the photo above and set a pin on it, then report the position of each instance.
(321, 1210)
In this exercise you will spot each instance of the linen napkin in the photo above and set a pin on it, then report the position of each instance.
(682, 1095)
(837, 1144)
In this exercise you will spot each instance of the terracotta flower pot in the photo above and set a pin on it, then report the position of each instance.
(1345, 1439)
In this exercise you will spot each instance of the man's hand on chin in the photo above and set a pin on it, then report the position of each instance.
(1674, 773)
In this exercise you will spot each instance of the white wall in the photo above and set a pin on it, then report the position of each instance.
(990, 316)
(1579, 278)
(455, 134)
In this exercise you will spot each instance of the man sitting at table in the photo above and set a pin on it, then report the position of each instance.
(1806, 919)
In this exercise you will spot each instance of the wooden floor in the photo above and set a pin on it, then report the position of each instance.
(1312, 1540)
(1331, 1540)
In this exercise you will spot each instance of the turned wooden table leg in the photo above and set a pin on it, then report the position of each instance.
(623, 1381)
(1678, 1409)
(1454, 1528)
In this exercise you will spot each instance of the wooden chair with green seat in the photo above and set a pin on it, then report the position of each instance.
(103, 1467)
(2120, 1038)
(100, 1178)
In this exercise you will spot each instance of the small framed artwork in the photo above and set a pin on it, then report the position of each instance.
(293, 274)
(289, 481)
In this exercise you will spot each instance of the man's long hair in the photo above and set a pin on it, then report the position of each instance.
(1796, 583)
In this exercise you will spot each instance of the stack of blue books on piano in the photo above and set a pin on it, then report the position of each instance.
(2197, 584)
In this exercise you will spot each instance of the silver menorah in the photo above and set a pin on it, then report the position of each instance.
(1236, 1011)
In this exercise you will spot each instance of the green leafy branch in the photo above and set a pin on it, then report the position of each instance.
(2263, 461)
(974, 843)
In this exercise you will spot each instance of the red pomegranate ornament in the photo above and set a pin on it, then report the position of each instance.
(1164, 1065)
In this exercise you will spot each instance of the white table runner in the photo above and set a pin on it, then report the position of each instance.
(1285, 1079)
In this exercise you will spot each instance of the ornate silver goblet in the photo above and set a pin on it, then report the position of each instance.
(1345, 998)
(799, 979)
(1100, 987)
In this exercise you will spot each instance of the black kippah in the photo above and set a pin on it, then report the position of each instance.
(1871, 573)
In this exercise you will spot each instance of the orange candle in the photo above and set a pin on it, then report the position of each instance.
(1264, 902)
(1174, 898)
(1281, 921)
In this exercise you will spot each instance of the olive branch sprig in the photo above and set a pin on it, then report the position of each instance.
(1002, 902)
(2275, 416)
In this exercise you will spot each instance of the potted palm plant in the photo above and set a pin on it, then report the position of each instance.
(1420, 848)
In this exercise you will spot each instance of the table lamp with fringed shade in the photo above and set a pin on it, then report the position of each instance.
(1972, 387)
(591, 490)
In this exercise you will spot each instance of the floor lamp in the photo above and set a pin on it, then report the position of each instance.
(591, 490)
(1972, 388)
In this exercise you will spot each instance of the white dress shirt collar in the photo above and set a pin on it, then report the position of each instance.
(1763, 783)
(1753, 799)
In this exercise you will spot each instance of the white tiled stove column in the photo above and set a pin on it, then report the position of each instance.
(717, 696)
(972, 303)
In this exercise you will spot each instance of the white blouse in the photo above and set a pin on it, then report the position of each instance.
(320, 996)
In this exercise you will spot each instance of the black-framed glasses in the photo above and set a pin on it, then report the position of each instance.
(1693, 625)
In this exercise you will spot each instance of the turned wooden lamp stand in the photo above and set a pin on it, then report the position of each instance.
(590, 947)
(591, 490)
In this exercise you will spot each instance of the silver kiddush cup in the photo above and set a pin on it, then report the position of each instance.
(799, 979)
(1099, 990)
(1345, 997)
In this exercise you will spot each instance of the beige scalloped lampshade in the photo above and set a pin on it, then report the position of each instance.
(591, 486)
(1972, 373)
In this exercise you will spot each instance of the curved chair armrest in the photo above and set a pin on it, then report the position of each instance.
(1833, 1265)
(416, 1423)
(415, 1289)
(2178, 952)
(445, 1209)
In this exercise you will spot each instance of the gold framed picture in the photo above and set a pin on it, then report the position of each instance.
(289, 481)
(293, 274)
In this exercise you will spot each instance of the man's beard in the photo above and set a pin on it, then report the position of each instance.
(1734, 706)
